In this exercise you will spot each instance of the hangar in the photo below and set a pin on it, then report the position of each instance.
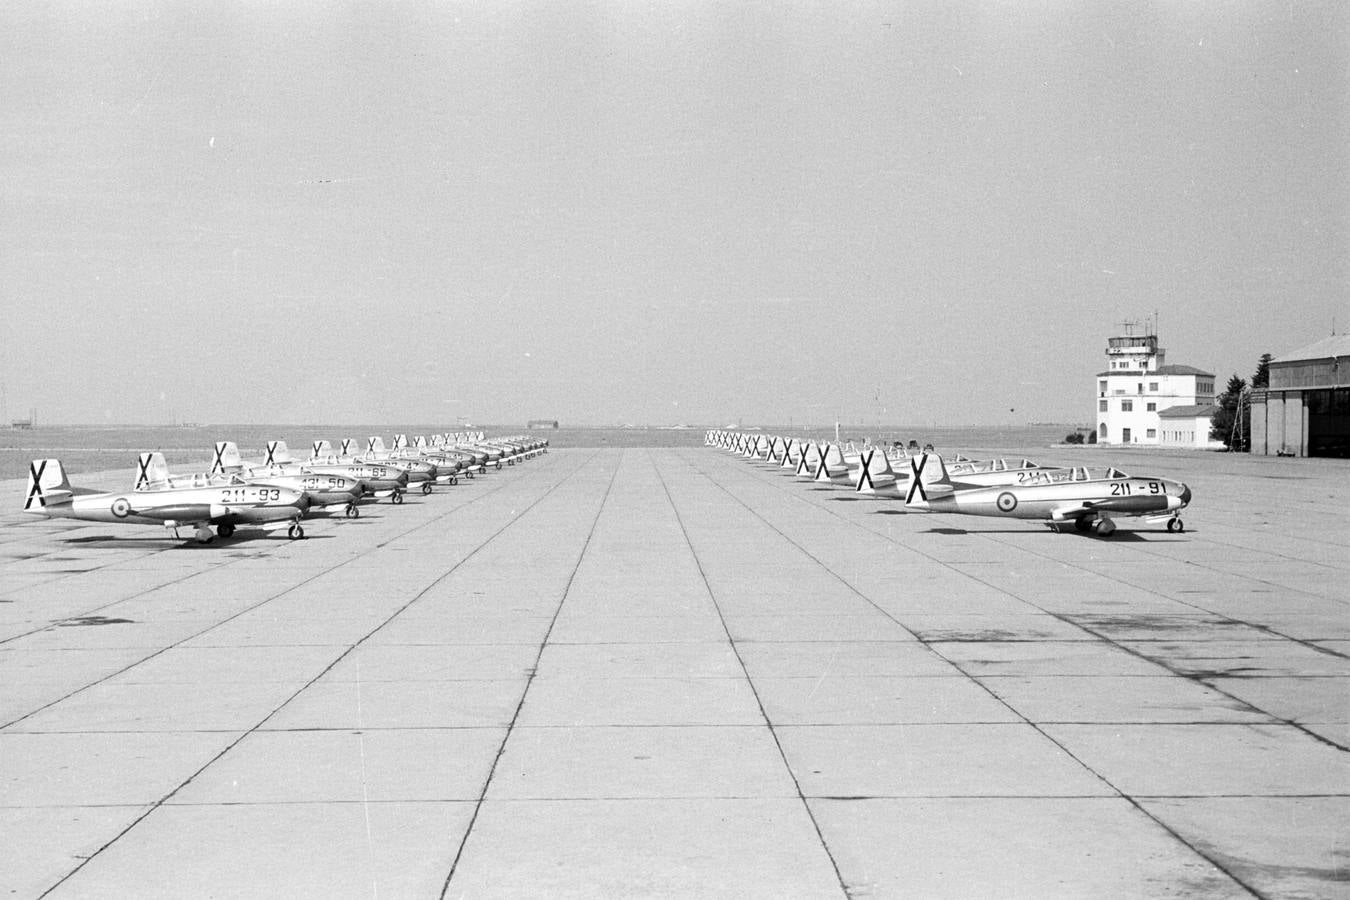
(1305, 411)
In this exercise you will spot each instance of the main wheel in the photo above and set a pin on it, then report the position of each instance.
(353, 511)
(454, 479)
(295, 532)
(1082, 523)
(426, 487)
(397, 498)
(499, 465)
(225, 529)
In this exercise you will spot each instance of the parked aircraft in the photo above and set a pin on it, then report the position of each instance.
(1087, 505)
(50, 493)
(324, 491)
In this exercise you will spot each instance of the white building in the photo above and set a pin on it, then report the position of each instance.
(1137, 386)
(1187, 426)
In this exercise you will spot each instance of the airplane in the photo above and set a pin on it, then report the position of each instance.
(881, 479)
(419, 471)
(1087, 505)
(50, 494)
(227, 469)
(380, 480)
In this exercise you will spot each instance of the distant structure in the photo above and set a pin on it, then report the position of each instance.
(542, 423)
(1140, 400)
(30, 422)
(1305, 411)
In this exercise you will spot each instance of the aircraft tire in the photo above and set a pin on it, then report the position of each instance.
(426, 487)
(397, 498)
(353, 511)
(1176, 525)
(295, 532)
(454, 479)
(225, 529)
(1082, 523)
(499, 465)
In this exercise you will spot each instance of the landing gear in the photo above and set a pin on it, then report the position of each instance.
(295, 532)
(1082, 523)
(426, 487)
(454, 479)
(397, 498)
(499, 465)
(353, 511)
(225, 529)
(1175, 525)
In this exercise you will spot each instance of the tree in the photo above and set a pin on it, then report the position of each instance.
(1231, 422)
(1262, 377)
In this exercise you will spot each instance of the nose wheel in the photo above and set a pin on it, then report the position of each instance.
(1175, 525)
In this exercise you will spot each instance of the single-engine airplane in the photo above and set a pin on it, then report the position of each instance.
(50, 494)
(1088, 505)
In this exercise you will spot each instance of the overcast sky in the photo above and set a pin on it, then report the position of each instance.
(655, 213)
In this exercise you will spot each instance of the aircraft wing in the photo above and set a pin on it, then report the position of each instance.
(184, 512)
(1126, 506)
(1070, 513)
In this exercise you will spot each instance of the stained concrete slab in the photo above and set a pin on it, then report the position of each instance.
(1011, 847)
(677, 673)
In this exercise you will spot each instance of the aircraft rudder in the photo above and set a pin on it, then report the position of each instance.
(46, 481)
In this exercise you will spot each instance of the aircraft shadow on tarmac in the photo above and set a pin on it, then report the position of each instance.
(1116, 537)
(111, 542)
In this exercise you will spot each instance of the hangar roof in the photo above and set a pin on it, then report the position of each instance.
(1326, 348)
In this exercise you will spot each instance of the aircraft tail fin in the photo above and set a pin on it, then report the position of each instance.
(47, 485)
(831, 466)
(227, 458)
(151, 471)
(874, 474)
(400, 442)
(320, 449)
(346, 447)
(278, 454)
(928, 479)
(375, 444)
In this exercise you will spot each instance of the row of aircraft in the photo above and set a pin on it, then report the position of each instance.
(278, 491)
(1086, 498)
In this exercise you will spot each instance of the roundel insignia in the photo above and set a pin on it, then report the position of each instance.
(1007, 501)
(121, 507)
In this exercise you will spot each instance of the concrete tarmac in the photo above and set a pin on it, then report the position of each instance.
(679, 673)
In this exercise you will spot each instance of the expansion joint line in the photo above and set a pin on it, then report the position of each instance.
(773, 732)
(245, 611)
(1209, 858)
(529, 679)
(284, 703)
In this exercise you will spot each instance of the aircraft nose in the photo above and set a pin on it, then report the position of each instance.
(1185, 495)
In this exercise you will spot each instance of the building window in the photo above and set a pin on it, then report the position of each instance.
(1101, 406)
(1102, 431)
(1153, 385)
(1151, 407)
(1101, 386)
(1127, 406)
(1151, 433)
(1141, 388)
